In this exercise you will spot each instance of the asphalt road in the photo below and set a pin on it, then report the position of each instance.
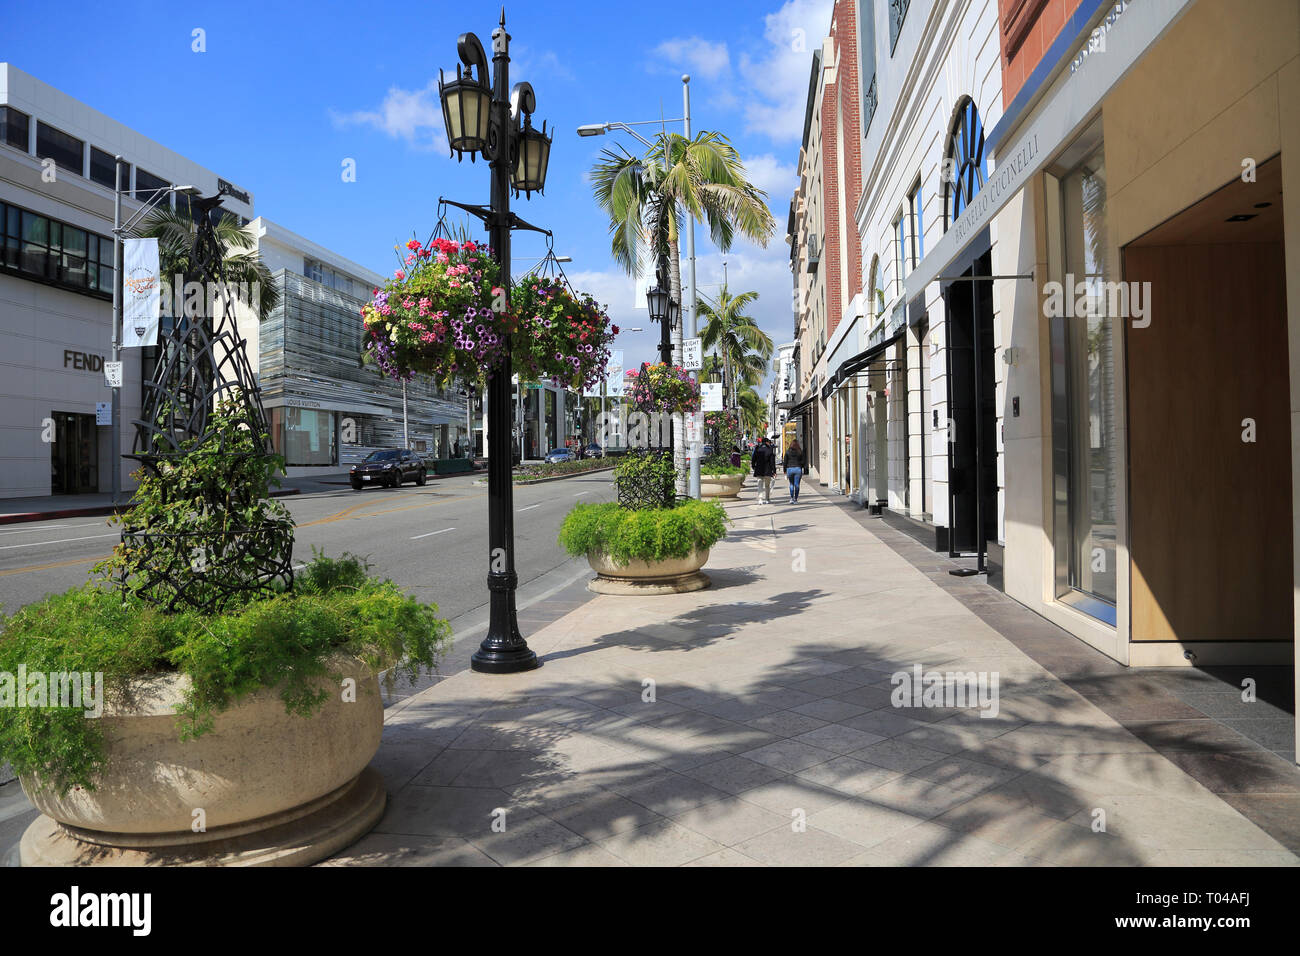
(431, 541)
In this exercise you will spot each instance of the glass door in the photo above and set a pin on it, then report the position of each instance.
(74, 456)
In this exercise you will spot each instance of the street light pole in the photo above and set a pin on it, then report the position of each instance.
(115, 397)
(693, 480)
(518, 155)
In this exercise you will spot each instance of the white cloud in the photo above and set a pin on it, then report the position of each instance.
(530, 65)
(778, 79)
(697, 56)
(774, 177)
(412, 115)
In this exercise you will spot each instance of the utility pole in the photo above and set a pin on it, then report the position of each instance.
(115, 397)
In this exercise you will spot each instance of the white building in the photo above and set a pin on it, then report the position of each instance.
(57, 174)
(781, 393)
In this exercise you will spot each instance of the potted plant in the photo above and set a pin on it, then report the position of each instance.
(664, 389)
(196, 704)
(647, 542)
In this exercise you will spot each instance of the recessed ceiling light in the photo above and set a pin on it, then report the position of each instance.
(1262, 205)
(1241, 217)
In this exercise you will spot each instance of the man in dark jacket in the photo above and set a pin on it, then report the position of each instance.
(764, 462)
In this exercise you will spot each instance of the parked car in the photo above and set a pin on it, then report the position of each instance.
(389, 467)
(706, 451)
(560, 454)
(593, 451)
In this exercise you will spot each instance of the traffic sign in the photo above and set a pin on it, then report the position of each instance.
(692, 355)
(113, 374)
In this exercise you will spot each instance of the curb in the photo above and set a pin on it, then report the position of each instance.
(95, 511)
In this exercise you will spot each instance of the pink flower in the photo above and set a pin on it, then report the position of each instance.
(399, 275)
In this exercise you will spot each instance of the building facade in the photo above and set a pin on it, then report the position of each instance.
(57, 179)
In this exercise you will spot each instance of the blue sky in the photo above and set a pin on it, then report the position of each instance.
(285, 92)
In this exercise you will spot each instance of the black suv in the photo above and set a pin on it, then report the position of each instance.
(388, 467)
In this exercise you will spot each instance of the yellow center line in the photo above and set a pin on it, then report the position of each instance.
(47, 567)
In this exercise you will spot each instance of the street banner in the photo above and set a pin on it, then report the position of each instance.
(711, 396)
(614, 374)
(140, 293)
(692, 355)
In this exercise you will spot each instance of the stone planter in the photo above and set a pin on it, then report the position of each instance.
(721, 486)
(262, 788)
(669, 576)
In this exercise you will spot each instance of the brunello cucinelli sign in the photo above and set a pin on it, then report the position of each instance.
(83, 361)
(1006, 180)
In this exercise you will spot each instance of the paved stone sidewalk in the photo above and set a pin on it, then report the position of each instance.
(771, 737)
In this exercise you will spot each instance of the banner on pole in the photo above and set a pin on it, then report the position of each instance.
(140, 293)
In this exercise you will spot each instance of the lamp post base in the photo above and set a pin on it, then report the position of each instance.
(491, 660)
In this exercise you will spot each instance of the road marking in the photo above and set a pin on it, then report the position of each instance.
(431, 534)
(48, 567)
(531, 507)
(37, 544)
(581, 493)
(93, 524)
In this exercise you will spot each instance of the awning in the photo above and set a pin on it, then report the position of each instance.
(856, 363)
(1132, 28)
(801, 406)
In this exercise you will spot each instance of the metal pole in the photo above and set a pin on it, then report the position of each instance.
(504, 650)
(693, 481)
(406, 438)
(116, 440)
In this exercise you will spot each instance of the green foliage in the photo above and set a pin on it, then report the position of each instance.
(648, 534)
(721, 465)
(646, 481)
(204, 532)
(286, 641)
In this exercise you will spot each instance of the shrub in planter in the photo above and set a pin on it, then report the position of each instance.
(284, 641)
(721, 465)
(650, 534)
(646, 479)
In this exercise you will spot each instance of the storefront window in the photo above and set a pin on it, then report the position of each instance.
(304, 436)
(1085, 425)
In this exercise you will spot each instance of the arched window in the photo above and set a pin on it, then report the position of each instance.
(963, 167)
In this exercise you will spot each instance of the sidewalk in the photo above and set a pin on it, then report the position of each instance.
(751, 724)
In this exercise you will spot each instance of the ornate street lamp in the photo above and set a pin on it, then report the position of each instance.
(674, 314)
(483, 118)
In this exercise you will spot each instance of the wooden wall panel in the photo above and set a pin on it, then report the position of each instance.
(1210, 526)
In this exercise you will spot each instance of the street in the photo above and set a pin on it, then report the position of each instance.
(428, 540)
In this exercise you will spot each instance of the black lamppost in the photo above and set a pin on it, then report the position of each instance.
(483, 117)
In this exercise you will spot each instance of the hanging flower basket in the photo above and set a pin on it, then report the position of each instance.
(562, 335)
(663, 388)
(437, 316)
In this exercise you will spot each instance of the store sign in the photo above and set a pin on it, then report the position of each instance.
(711, 396)
(1071, 101)
(692, 355)
(1097, 39)
(233, 192)
(83, 361)
(301, 403)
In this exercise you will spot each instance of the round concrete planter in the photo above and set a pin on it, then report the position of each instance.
(669, 576)
(721, 486)
(263, 787)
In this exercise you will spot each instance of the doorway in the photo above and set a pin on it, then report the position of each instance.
(1209, 424)
(74, 456)
(972, 411)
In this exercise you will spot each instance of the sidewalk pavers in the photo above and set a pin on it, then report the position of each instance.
(751, 724)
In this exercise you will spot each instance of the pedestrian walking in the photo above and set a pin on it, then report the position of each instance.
(764, 464)
(794, 465)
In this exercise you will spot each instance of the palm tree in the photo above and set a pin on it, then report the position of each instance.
(644, 198)
(753, 410)
(241, 263)
(743, 348)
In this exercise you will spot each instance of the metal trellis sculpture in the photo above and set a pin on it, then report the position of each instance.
(204, 533)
